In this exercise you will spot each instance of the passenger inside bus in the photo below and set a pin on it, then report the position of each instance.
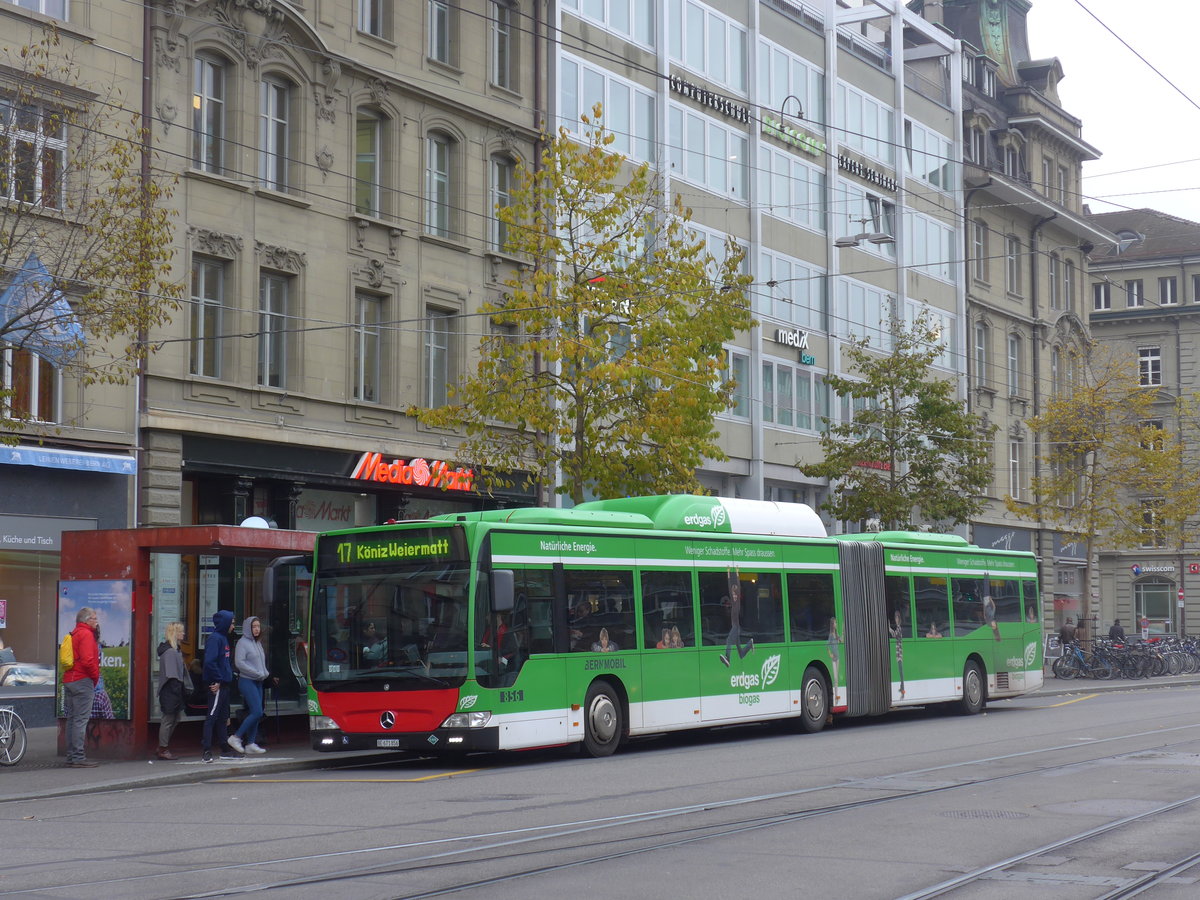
(933, 631)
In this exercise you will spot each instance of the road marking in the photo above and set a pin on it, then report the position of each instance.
(251, 779)
(1076, 700)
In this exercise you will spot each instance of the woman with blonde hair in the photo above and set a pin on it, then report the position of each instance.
(172, 676)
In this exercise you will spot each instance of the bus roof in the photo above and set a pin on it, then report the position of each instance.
(671, 512)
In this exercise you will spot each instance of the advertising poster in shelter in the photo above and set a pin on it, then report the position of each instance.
(113, 603)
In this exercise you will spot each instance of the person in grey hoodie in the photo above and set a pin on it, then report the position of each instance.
(172, 676)
(250, 660)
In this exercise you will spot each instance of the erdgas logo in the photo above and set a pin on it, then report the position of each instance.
(766, 677)
(467, 702)
(714, 518)
(1027, 661)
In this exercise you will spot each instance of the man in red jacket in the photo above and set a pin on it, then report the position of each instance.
(79, 684)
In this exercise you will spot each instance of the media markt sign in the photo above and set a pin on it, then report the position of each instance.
(797, 339)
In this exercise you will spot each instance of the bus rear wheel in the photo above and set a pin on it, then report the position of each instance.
(814, 701)
(603, 720)
(974, 690)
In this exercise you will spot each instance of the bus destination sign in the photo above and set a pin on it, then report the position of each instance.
(391, 547)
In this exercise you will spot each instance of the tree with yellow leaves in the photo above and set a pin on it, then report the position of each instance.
(85, 241)
(607, 366)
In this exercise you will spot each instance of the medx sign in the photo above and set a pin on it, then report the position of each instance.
(797, 339)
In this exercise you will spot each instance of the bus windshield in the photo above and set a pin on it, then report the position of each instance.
(390, 610)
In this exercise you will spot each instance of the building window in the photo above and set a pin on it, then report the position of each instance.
(977, 145)
(1101, 296)
(1149, 366)
(55, 9)
(208, 114)
(505, 32)
(737, 370)
(870, 123)
(629, 110)
(982, 339)
(1064, 185)
(1014, 365)
(32, 386)
(274, 133)
(1047, 182)
(33, 154)
(374, 17)
(1134, 293)
(633, 20)
(1069, 285)
(1196, 288)
(1014, 468)
(439, 160)
(368, 136)
(502, 171)
(208, 303)
(1012, 264)
(1055, 277)
(438, 337)
(1168, 291)
(713, 156)
(979, 250)
(273, 320)
(1153, 530)
(1012, 162)
(1056, 371)
(706, 42)
(986, 79)
(442, 22)
(367, 338)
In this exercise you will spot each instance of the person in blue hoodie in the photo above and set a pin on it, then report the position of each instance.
(218, 676)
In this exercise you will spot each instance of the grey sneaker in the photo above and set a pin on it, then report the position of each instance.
(254, 748)
(236, 743)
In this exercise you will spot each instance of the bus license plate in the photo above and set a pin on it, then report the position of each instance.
(387, 742)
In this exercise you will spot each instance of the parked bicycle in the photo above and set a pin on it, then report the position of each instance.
(13, 739)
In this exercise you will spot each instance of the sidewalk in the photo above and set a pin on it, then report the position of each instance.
(41, 773)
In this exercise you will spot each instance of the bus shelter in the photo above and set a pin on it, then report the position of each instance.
(140, 579)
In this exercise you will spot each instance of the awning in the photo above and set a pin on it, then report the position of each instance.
(35, 316)
(78, 460)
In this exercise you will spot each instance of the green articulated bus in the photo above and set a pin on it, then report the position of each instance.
(524, 628)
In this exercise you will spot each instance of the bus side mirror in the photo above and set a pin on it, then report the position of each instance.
(502, 590)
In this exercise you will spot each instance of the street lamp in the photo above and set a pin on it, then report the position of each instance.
(874, 237)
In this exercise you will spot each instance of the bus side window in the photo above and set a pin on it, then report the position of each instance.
(667, 609)
(899, 599)
(600, 600)
(762, 615)
(714, 608)
(810, 606)
(933, 605)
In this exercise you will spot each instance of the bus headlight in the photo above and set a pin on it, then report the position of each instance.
(321, 723)
(468, 720)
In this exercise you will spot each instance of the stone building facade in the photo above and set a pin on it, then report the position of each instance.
(1144, 297)
(1026, 245)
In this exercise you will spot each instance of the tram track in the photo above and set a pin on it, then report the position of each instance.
(523, 851)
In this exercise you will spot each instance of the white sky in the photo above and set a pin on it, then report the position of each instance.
(1130, 114)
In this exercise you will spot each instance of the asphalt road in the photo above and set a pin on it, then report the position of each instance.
(881, 808)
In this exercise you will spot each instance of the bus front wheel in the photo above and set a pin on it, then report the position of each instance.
(603, 720)
(974, 690)
(814, 701)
